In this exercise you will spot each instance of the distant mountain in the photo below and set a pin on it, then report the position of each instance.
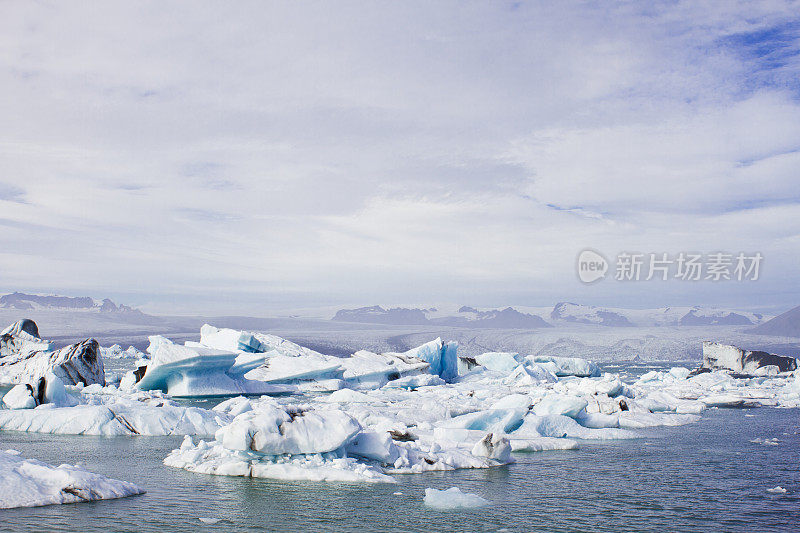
(665, 316)
(706, 317)
(29, 302)
(508, 318)
(785, 325)
(378, 315)
(586, 314)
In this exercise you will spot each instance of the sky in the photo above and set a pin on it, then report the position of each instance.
(256, 157)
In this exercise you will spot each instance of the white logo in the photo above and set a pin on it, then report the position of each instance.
(591, 266)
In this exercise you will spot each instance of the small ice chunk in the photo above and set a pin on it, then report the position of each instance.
(30, 483)
(777, 490)
(494, 447)
(766, 442)
(209, 521)
(453, 498)
(415, 382)
(504, 362)
(19, 397)
(557, 404)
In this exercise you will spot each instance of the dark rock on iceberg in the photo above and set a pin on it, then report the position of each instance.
(726, 357)
(26, 358)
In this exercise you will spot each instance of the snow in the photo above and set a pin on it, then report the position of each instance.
(453, 498)
(31, 483)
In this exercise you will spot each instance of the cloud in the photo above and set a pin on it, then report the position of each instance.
(290, 155)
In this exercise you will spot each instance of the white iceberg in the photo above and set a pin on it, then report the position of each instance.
(31, 483)
(196, 370)
(273, 430)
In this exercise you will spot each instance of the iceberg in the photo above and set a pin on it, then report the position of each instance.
(494, 447)
(196, 370)
(109, 412)
(504, 362)
(273, 430)
(287, 443)
(26, 358)
(453, 498)
(442, 357)
(415, 382)
(556, 404)
(567, 366)
(47, 390)
(31, 483)
(718, 356)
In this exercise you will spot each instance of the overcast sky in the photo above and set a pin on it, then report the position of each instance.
(255, 157)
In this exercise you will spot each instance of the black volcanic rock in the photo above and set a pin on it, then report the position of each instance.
(784, 325)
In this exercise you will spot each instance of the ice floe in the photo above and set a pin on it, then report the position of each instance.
(31, 483)
(453, 498)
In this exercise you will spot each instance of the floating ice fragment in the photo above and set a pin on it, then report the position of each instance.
(453, 498)
(777, 490)
(31, 483)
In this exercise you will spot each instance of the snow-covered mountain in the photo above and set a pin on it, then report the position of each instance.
(30, 302)
(508, 318)
(664, 316)
(561, 313)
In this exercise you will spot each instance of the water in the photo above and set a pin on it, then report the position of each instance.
(701, 477)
